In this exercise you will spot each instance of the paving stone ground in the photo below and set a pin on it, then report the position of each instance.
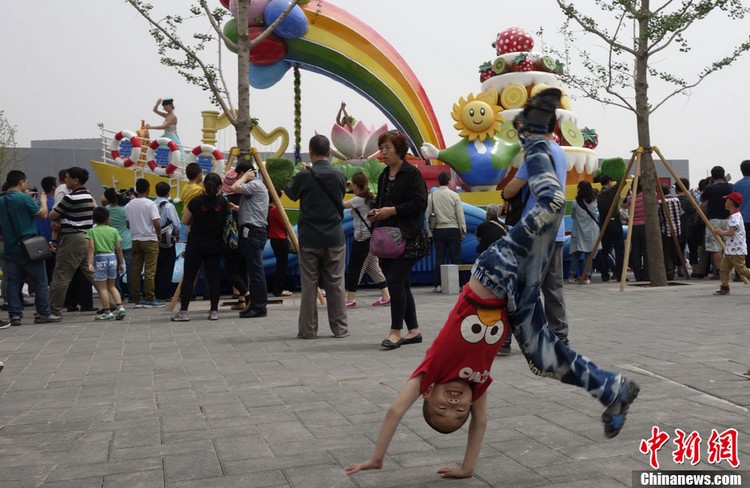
(149, 403)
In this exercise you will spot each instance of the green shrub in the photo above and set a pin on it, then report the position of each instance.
(280, 171)
(614, 168)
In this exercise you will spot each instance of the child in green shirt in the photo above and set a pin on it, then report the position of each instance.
(105, 260)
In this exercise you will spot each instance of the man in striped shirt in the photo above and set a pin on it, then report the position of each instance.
(671, 258)
(75, 212)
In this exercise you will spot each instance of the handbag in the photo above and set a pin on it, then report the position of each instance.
(35, 248)
(387, 242)
(230, 234)
(431, 217)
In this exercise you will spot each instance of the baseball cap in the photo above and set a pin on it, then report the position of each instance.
(735, 197)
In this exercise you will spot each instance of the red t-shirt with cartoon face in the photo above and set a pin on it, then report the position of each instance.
(466, 345)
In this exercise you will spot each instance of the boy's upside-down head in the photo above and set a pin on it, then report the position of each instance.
(447, 406)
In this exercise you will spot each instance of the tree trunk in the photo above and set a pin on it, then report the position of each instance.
(655, 255)
(244, 123)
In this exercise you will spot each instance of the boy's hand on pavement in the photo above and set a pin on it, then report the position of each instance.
(455, 472)
(369, 464)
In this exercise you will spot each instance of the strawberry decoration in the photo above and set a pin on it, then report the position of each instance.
(513, 40)
(523, 63)
(590, 138)
(485, 71)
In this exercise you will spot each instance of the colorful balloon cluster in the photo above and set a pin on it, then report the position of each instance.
(267, 58)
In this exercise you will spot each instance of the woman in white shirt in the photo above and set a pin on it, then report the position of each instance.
(361, 261)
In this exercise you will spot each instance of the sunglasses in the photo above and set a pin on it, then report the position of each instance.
(393, 132)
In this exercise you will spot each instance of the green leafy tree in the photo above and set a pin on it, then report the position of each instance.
(8, 153)
(189, 57)
(625, 76)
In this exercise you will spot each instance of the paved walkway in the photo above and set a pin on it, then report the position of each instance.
(242, 403)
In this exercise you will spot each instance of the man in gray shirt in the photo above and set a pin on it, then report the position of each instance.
(322, 255)
(253, 229)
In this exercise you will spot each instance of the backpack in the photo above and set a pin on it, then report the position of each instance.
(169, 234)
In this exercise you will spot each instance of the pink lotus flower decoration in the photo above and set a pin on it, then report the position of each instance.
(358, 145)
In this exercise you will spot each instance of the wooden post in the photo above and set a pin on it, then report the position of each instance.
(275, 197)
(631, 215)
(615, 204)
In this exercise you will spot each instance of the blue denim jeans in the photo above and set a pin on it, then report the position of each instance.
(252, 242)
(19, 269)
(123, 286)
(512, 268)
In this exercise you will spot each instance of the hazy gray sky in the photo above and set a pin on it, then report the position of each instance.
(69, 65)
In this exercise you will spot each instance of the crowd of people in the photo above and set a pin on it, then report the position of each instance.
(688, 245)
(141, 260)
(515, 288)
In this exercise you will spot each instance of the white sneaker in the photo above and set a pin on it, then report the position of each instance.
(437, 289)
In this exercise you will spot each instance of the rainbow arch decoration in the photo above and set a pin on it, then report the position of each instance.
(345, 49)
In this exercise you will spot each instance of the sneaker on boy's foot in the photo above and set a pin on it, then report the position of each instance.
(505, 348)
(15, 321)
(437, 289)
(1, 365)
(105, 316)
(4, 324)
(140, 304)
(181, 316)
(120, 313)
(213, 315)
(614, 416)
(154, 304)
(49, 319)
(721, 291)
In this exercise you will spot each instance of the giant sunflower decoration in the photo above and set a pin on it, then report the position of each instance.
(478, 117)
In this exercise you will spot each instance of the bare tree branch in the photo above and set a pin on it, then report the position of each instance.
(741, 49)
(188, 52)
(588, 24)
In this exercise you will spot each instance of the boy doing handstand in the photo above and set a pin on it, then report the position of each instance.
(504, 294)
